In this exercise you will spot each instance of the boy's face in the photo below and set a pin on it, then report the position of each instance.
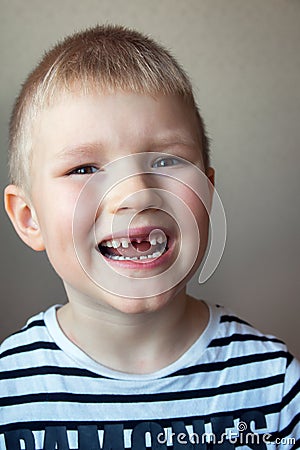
(115, 190)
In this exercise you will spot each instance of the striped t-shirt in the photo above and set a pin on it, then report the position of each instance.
(233, 388)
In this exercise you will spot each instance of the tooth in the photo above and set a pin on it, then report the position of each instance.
(108, 243)
(115, 243)
(121, 258)
(153, 241)
(161, 239)
(124, 243)
(156, 254)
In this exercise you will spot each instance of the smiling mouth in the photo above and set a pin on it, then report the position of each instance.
(135, 248)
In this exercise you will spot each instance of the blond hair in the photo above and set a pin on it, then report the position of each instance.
(107, 57)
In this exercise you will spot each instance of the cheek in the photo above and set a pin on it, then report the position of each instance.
(55, 210)
(201, 217)
(59, 242)
(57, 231)
(85, 214)
(194, 220)
(186, 200)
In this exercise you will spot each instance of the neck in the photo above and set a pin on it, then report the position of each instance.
(143, 342)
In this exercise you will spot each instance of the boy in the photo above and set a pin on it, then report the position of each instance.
(110, 175)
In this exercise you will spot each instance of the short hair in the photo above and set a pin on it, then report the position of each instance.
(108, 57)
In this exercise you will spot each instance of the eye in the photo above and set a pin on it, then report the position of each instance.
(166, 162)
(83, 170)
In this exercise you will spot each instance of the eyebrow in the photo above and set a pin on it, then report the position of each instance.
(174, 138)
(88, 149)
(166, 143)
(84, 149)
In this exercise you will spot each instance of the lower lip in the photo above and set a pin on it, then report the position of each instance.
(144, 264)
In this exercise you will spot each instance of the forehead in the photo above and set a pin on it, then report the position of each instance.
(115, 122)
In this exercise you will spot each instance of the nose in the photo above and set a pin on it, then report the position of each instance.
(136, 193)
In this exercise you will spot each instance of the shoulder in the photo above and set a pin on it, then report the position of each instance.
(237, 344)
(233, 332)
(21, 348)
(260, 363)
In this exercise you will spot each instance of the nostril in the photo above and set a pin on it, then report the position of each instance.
(138, 200)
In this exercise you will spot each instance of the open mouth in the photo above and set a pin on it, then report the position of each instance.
(135, 248)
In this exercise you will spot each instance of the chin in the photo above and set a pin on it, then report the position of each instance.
(134, 306)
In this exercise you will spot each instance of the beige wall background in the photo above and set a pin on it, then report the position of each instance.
(244, 59)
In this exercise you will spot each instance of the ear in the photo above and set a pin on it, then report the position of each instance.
(210, 173)
(23, 217)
